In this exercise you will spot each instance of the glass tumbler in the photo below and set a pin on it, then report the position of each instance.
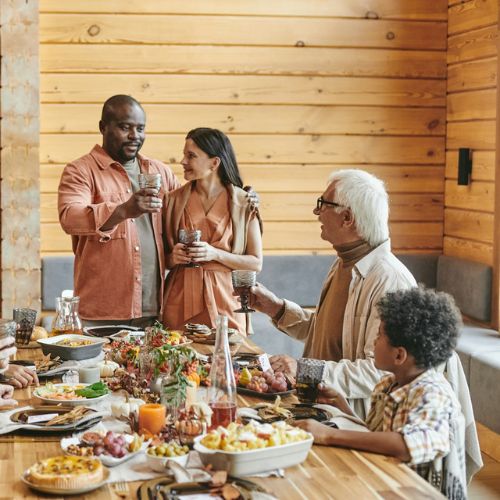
(25, 322)
(309, 375)
(188, 237)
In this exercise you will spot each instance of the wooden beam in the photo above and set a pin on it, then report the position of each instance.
(19, 163)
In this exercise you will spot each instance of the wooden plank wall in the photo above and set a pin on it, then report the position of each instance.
(471, 122)
(19, 165)
(301, 86)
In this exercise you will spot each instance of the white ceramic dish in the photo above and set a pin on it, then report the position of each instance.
(158, 463)
(69, 402)
(50, 346)
(106, 460)
(244, 463)
(63, 492)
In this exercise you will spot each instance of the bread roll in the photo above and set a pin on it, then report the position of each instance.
(39, 332)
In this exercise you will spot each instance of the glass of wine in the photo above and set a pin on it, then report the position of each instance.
(242, 282)
(188, 237)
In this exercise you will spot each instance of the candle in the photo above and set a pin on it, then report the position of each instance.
(89, 374)
(191, 394)
(151, 418)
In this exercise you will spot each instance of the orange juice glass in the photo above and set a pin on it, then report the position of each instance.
(151, 418)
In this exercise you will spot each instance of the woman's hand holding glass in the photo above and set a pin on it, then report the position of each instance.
(201, 251)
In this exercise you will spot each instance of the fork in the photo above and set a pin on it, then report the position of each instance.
(120, 489)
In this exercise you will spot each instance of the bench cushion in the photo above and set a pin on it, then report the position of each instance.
(57, 275)
(422, 266)
(298, 278)
(485, 389)
(469, 283)
(475, 340)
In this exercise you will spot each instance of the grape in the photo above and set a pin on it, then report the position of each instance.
(98, 450)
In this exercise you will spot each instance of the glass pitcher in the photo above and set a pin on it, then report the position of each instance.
(67, 319)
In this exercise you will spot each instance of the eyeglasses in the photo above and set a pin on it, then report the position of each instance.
(320, 202)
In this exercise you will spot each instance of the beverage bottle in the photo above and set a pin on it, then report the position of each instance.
(222, 390)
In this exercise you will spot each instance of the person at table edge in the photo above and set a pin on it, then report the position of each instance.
(353, 212)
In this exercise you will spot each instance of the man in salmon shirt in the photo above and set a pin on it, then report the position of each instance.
(114, 225)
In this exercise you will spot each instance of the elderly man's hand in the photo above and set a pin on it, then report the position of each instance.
(7, 349)
(285, 364)
(19, 376)
(265, 301)
(6, 392)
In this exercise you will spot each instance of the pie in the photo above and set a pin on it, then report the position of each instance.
(66, 472)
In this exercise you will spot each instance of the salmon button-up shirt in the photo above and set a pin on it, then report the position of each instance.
(107, 263)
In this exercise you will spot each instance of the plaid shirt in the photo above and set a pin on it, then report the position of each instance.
(421, 411)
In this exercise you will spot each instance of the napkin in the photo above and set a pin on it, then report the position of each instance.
(7, 426)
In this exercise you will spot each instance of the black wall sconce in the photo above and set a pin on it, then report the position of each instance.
(464, 166)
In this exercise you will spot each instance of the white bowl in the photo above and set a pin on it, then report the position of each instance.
(158, 463)
(244, 463)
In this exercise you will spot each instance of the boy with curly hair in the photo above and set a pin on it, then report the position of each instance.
(414, 414)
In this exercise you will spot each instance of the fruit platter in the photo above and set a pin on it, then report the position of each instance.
(267, 385)
(110, 447)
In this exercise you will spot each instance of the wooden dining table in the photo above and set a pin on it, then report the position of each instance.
(328, 472)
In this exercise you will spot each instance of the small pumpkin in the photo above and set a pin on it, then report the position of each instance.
(124, 408)
(107, 368)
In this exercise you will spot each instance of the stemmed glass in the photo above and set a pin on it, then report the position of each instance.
(188, 237)
(242, 282)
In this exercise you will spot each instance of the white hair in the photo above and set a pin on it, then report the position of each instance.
(367, 198)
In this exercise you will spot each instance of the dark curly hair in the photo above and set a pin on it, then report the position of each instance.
(425, 322)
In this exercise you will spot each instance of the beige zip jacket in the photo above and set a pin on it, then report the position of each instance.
(355, 375)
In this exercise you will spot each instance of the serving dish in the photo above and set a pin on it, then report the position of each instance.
(107, 330)
(53, 347)
(107, 460)
(42, 392)
(127, 335)
(243, 463)
(90, 418)
(158, 463)
(68, 491)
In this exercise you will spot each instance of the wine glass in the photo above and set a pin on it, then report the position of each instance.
(188, 237)
(242, 282)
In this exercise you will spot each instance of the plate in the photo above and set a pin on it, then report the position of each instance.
(127, 335)
(107, 330)
(70, 402)
(263, 395)
(69, 491)
(165, 487)
(106, 460)
(82, 424)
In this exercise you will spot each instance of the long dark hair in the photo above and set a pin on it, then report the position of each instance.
(215, 143)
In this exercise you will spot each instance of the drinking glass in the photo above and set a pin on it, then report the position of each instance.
(188, 237)
(242, 282)
(25, 321)
(150, 181)
(309, 375)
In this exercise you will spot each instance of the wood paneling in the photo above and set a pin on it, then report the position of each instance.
(472, 14)
(473, 75)
(474, 105)
(373, 9)
(471, 123)
(301, 87)
(103, 58)
(244, 89)
(268, 149)
(234, 30)
(242, 119)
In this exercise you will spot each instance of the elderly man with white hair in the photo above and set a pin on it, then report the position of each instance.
(354, 215)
